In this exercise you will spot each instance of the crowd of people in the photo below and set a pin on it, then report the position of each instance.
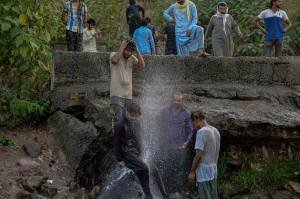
(183, 36)
(177, 129)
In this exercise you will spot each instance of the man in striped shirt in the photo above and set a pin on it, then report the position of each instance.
(74, 16)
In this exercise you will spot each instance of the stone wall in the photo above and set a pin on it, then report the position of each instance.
(252, 97)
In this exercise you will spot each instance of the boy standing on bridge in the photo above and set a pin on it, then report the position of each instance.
(274, 19)
(121, 66)
(204, 167)
(74, 16)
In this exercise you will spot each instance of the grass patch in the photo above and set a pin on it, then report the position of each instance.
(269, 177)
(5, 141)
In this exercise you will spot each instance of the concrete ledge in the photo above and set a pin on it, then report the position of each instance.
(81, 67)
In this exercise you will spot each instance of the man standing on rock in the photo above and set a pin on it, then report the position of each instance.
(176, 129)
(204, 167)
(274, 19)
(127, 146)
(121, 66)
(189, 36)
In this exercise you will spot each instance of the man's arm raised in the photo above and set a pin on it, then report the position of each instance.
(141, 62)
(118, 55)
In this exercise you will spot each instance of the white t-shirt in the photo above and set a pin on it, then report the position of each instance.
(89, 41)
(208, 140)
(121, 77)
(269, 13)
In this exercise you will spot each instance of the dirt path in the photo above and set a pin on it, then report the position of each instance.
(21, 174)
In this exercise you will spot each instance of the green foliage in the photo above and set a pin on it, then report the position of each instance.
(269, 177)
(110, 17)
(5, 141)
(27, 28)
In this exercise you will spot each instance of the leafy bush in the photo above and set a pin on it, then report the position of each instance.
(269, 177)
(27, 28)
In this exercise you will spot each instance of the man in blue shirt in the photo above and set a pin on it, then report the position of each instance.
(144, 39)
(274, 19)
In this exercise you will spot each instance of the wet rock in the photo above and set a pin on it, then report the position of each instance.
(121, 183)
(26, 162)
(32, 149)
(292, 186)
(74, 136)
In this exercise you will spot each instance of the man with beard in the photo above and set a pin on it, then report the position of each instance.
(189, 36)
(176, 134)
(274, 19)
(121, 66)
(127, 146)
(223, 27)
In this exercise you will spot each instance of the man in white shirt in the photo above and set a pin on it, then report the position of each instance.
(204, 168)
(121, 66)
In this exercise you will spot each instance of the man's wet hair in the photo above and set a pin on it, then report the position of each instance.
(133, 107)
(91, 21)
(198, 115)
(131, 46)
(132, 2)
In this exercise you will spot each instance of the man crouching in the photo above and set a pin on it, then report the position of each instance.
(127, 146)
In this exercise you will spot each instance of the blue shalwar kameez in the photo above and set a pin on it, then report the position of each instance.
(186, 19)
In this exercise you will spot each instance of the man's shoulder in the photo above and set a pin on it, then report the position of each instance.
(192, 4)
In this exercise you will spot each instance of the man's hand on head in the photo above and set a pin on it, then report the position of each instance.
(124, 45)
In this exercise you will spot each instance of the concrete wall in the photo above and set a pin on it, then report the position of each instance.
(82, 67)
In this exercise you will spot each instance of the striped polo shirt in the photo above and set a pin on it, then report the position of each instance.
(75, 16)
(274, 23)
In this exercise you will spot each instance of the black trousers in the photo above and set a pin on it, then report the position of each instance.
(141, 170)
(132, 28)
(74, 41)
